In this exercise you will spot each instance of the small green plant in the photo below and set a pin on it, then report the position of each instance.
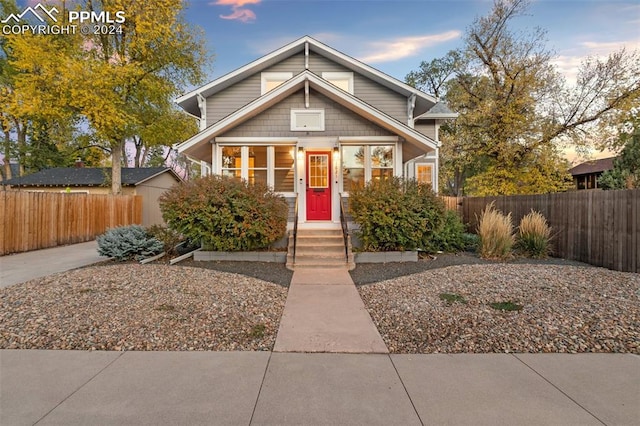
(534, 235)
(169, 237)
(225, 214)
(128, 242)
(506, 306)
(471, 242)
(165, 307)
(257, 331)
(451, 298)
(496, 233)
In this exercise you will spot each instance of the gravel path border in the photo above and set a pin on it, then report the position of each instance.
(141, 307)
(564, 308)
(369, 273)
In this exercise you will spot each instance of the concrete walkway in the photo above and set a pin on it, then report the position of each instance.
(21, 267)
(262, 388)
(324, 313)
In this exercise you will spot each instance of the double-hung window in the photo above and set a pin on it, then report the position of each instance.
(264, 164)
(363, 163)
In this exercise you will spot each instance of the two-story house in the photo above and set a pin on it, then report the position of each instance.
(313, 123)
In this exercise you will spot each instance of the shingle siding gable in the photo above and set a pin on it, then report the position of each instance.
(276, 121)
(233, 98)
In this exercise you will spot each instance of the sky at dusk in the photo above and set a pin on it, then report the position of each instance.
(394, 36)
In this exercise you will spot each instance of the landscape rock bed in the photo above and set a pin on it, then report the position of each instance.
(141, 307)
(565, 309)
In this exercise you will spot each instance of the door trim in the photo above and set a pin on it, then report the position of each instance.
(329, 184)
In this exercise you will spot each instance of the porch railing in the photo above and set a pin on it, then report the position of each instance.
(345, 229)
(295, 228)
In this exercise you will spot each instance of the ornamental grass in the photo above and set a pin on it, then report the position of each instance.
(534, 235)
(496, 233)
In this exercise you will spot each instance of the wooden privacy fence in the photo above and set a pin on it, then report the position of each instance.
(35, 220)
(597, 227)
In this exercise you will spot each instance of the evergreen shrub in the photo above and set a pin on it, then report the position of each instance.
(128, 242)
(396, 214)
(225, 214)
(449, 237)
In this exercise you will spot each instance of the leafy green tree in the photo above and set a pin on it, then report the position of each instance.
(626, 168)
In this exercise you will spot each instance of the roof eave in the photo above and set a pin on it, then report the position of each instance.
(289, 87)
(189, 102)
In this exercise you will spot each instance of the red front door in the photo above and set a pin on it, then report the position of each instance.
(318, 185)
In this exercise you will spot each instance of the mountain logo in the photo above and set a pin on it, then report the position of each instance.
(33, 11)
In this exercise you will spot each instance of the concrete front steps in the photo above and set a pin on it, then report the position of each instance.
(319, 248)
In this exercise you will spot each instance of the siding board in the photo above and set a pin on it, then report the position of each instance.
(275, 122)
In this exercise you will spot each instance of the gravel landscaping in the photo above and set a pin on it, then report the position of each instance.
(141, 307)
(564, 308)
(439, 305)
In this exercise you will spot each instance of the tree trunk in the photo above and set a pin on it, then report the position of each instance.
(116, 168)
(7, 155)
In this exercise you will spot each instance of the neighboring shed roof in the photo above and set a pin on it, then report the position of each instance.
(15, 170)
(592, 166)
(87, 176)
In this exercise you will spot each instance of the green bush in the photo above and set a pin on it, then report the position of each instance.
(449, 237)
(169, 237)
(128, 242)
(471, 242)
(534, 235)
(225, 214)
(395, 214)
(496, 233)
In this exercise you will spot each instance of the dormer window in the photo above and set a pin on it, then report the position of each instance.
(271, 80)
(343, 80)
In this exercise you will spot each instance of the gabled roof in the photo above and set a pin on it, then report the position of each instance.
(189, 101)
(593, 166)
(325, 88)
(87, 176)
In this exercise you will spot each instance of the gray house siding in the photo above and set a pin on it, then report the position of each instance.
(233, 98)
(427, 129)
(381, 98)
(276, 121)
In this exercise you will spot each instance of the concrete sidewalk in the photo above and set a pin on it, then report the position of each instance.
(259, 388)
(21, 267)
(324, 313)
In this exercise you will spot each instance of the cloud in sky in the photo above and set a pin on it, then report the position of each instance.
(240, 13)
(569, 62)
(402, 47)
(369, 51)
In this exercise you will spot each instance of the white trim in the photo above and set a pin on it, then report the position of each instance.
(229, 140)
(267, 77)
(340, 75)
(202, 105)
(297, 113)
(301, 45)
(364, 139)
(351, 102)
